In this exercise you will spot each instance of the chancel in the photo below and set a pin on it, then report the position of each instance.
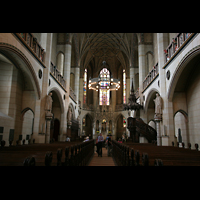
(60, 91)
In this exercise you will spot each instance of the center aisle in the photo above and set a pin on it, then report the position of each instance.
(102, 161)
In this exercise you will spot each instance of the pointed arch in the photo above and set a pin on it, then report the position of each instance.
(21, 62)
(72, 109)
(183, 64)
(59, 97)
(25, 110)
(149, 96)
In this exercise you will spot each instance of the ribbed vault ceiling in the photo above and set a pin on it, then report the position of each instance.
(111, 47)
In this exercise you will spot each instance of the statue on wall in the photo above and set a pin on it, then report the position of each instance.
(49, 101)
(158, 106)
(69, 119)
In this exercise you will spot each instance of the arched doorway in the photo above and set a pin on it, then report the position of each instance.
(27, 124)
(57, 110)
(150, 105)
(184, 92)
(56, 129)
(181, 127)
(18, 94)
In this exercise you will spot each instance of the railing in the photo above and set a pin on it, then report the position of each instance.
(32, 42)
(147, 131)
(151, 76)
(175, 45)
(72, 94)
(55, 72)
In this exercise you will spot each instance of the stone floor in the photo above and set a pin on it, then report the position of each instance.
(101, 161)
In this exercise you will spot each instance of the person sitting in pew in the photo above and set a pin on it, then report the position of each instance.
(86, 139)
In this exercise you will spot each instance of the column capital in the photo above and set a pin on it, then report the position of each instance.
(48, 115)
(68, 38)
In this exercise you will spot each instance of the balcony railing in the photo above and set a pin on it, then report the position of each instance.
(33, 45)
(72, 94)
(57, 75)
(151, 76)
(176, 44)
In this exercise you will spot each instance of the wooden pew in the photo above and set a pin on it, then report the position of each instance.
(154, 155)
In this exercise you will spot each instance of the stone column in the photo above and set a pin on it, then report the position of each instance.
(107, 127)
(94, 128)
(159, 142)
(141, 54)
(67, 65)
(167, 116)
(132, 78)
(37, 123)
(40, 115)
(49, 117)
(100, 125)
(77, 79)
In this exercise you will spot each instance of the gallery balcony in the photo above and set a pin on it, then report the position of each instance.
(151, 76)
(176, 45)
(57, 75)
(32, 45)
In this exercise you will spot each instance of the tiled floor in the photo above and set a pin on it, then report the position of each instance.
(102, 161)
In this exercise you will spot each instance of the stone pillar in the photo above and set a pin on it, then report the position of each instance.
(107, 127)
(159, 143)
(77, 79)
(67, 65)
(132, 76)
(60, 62)
(94, 128)
(167, 116)
(141, 54)
(100, 125)
(37, 124)
(40, 115)
(49, 117)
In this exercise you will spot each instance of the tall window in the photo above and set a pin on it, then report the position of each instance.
(124, 122)
(104, 92)
(85, 86)
(104, 97)
(124, 86)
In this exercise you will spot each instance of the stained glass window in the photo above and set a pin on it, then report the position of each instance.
(104, 92)
(85, 86)
(104, 97)
(124, 86)
(124, 122)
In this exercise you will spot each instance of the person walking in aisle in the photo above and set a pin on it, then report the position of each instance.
(100, 142)
(109, 143)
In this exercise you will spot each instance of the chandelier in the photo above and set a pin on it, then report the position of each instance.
(104, 81)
